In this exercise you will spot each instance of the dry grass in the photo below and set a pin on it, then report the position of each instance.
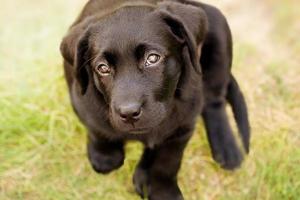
(42, 148)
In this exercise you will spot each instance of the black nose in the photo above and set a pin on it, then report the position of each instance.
(130, 113)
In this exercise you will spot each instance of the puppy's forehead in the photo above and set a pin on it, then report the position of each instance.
(130, 26)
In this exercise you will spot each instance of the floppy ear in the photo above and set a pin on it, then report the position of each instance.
(75, 50)
(189, 25)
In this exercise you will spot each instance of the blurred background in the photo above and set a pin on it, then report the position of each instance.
(42, 144)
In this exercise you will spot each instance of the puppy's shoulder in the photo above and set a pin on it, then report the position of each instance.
(213, 14)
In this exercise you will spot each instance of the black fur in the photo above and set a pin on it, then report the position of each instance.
(156, 104)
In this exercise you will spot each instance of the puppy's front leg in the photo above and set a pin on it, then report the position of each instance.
(141, 174)
(158, 168)
(104, 155)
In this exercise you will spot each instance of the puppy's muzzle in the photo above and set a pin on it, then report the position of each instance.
(129, 112)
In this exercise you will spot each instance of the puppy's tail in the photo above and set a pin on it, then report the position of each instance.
(239, 109)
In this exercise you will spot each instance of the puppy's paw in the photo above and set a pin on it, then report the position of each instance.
(166, 197)
(140, 181)
(105, 162)
(228, 156)
(165, 191)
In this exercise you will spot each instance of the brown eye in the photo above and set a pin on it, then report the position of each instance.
(152, 59)
(103, 69)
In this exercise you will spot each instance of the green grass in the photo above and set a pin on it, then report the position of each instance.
(42, 144)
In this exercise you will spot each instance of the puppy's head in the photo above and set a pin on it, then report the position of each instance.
(139, 59)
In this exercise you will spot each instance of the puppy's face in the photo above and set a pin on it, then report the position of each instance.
(138, 59)
(136, 67)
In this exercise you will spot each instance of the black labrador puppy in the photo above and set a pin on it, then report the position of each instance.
(144, 70)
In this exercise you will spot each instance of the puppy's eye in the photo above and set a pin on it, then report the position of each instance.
(103, 69)
(152, 59)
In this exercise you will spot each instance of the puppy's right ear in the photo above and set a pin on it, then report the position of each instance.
(75, 50)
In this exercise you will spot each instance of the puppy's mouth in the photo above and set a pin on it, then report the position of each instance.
(132, 128)
(139, 130)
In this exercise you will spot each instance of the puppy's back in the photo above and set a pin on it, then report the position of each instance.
(104, 7)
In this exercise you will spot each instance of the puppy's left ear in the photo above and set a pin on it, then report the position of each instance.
(189, 25)
(75, 50)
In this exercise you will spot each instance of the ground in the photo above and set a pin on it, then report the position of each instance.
(42, 144)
